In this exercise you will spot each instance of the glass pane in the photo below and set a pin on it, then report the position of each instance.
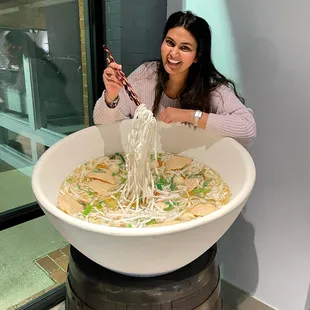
(43, 90)
(34, 260)
(18, 143)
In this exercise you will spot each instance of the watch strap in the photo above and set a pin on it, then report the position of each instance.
(111, 104)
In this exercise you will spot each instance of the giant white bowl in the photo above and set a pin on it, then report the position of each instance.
(145, 251)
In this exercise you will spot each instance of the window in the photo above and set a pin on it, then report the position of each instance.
(43, 97)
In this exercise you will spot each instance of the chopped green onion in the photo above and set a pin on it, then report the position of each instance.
(160, 182)
(200, 191)
(87, 210)
(121, 156)
(172, 185)
(193, 175)
(99, 206)
(170, 206)
(151, 222)
(99, 170)
(159, 186)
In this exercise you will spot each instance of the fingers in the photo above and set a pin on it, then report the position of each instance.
(114, 65)
(164, 117)
(112, 80)
(111, 76)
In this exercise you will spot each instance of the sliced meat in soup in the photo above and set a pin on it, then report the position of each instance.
(203, 209)
(105, 176)
(69, 205)
(177, 162)
(102, 188)
(191, 183)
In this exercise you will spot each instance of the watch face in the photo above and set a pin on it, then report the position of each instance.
(198, 114)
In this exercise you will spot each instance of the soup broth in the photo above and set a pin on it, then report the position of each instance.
(182, 190)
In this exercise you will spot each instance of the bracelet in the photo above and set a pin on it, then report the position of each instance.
(113, 103)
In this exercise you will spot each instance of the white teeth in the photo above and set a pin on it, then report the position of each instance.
(174, 61)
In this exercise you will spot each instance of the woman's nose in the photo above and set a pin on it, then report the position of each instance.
(174, 51)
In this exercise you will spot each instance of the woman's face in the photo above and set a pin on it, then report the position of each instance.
(178, 51)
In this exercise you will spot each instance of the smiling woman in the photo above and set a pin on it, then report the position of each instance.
(178, 52)
(182, 87)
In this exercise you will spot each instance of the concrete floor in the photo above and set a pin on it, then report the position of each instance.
(20, 246)
(15, 188)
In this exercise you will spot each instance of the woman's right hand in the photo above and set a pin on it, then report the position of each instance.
(112, 80)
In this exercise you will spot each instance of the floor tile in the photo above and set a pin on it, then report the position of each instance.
(59, 276)
(63, 262)
(66, 250)
(56, 254)
(47, 264)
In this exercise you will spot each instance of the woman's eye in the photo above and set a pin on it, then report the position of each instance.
(169, 42)
(185, 48)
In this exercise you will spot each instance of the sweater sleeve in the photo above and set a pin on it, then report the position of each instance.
(231, 117)
(126, 107)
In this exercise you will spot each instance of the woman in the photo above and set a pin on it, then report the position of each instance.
(184, 86)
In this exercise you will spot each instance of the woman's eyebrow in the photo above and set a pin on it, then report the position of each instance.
(183, 43)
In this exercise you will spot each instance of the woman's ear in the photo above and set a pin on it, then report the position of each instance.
(197, 58)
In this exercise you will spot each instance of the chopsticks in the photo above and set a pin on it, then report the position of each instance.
(128, 88)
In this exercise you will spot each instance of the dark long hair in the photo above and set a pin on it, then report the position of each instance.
(203, 77)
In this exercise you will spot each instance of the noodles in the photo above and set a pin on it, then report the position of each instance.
(179, 194)
(142, 142)
(142, 188)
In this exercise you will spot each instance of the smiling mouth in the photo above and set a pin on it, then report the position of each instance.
(173, 62)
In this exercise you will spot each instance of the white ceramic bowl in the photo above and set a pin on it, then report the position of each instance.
(144, 251)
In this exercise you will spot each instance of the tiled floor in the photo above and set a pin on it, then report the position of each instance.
(55, 264)
(21, 246)
(22, 279)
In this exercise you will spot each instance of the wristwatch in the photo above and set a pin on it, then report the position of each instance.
(197, 116)
(113, 103)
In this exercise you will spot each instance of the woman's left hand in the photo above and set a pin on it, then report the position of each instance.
(174, 115)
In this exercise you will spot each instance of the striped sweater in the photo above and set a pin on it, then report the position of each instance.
(228, 115)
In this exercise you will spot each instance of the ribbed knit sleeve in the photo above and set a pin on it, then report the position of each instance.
(143, 81)
(231, 118)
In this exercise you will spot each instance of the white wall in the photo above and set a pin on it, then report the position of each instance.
(267, 250)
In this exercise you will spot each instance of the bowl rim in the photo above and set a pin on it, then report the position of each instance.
(48, 207)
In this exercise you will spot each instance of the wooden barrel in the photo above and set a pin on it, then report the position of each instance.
(92, 287)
